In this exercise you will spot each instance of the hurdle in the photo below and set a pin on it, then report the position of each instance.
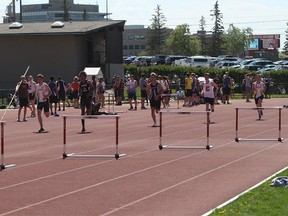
(173, 95)
(2, 165)
(207, 113)
(73, 155)
(279, 139)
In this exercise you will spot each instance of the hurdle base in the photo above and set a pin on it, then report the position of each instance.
(73, 155)
(2, 166)
(208, 147)
(258, 140)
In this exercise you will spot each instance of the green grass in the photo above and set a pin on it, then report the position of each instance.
(263, 200)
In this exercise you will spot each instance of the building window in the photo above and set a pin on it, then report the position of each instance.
(137, 47)
(143, 47)
(131, 47)
(125, 47)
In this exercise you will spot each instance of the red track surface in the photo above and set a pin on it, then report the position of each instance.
(147, 181)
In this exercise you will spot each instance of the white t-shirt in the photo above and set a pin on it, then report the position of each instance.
(41, 91)
(259, 88)
(32, 86)
(208, 89)
(131, 86)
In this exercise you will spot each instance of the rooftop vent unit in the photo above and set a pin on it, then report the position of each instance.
(57, 24)
(15, 25)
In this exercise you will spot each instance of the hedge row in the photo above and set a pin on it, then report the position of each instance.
(279, 77)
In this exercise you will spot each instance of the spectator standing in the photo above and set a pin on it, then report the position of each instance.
(143, 86)
(53, 99)
(131, 86)
(32, 91)
(61, 86)
(118, 89)
(101, 88)
(226, 88)
(75, 92)
(248, 87)
(188, 90)
(218, 82)
(22, 92)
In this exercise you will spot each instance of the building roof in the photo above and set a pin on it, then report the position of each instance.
(76, 28)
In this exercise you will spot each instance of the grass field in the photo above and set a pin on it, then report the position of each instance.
(263, 200)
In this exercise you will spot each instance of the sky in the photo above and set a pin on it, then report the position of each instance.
(263, 16)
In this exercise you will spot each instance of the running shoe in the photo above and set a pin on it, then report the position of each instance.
(56, 115)
(41, 130)
(154, 125)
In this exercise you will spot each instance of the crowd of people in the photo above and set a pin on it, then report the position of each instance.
(156, 89)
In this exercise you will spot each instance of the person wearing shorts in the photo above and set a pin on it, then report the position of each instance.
(31, 91)
(143, 86)
(188, 90)
(22, 92)
(74, 92)
(53, 99)
(118, 90)
(43, 93)
(154, 90)
(208, 92)
(132, 85)
(86, 93)
(61, 86)
(259, 89)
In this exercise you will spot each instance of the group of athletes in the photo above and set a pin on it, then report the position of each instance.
(48, 93)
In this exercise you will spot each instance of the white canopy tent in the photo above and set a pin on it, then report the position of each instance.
(96, 71)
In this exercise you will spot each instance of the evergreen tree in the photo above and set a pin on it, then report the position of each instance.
(202, 35)
(66, 16)
(217, 31)
(157, 33)
(285, 49)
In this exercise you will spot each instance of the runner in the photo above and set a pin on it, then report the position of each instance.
(154, 90)
(42, 92)
(208, 92)
(85, 92)
(31, 91)
(258, 89)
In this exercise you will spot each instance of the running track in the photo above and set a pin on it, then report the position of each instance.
(146, 182)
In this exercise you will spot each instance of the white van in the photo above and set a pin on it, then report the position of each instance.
(195, 61)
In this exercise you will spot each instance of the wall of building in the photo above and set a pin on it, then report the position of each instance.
(49, 55)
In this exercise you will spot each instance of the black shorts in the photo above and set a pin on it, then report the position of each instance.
(226, 91)
(53, 99)
(43, 105)
(188, 92)
(31, 96)
(208, 100)
(86, 102)
(156, 104)
(23, 102)
(143, 93)
(118, 93)
(62, 96)
(259, 99)
(132, 95)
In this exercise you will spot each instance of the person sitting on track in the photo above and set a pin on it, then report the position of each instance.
(154, 90)
(258, 89)
(43, 93)
(85, 93)
(208, 92)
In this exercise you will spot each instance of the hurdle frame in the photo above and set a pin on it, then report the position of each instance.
(112, 95)
(73, 155)
(208, 146)
(2, 165)
(172, 95)
(279, 139)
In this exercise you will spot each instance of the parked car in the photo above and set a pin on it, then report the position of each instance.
(226, 64)
(170, 60)
(257, 64)
(195, 61)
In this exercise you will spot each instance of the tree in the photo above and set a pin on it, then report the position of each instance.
(217, 31)
(66, 16)
(202, 34)
(157, 33)
(236, 40)
(181, 42)
(285, 49)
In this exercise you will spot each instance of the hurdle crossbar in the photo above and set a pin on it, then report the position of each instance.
(173, 95)
(73, 155)
(2, 165)
(208, 146)
(279, 139)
